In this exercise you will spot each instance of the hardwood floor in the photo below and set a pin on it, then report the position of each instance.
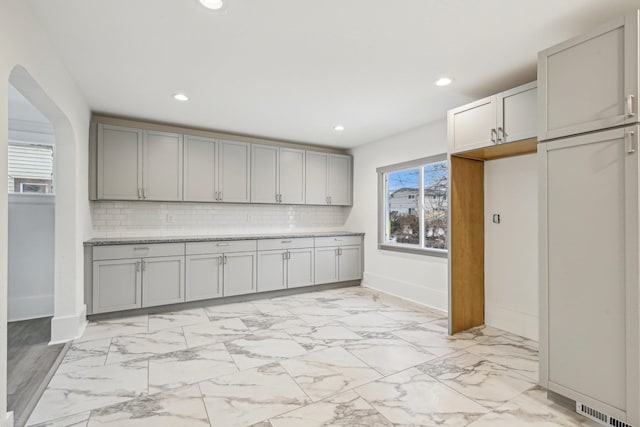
(30, 362)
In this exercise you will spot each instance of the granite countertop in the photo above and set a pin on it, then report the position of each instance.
(213, 238)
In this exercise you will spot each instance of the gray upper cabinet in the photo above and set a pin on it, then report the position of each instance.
(473, 125)
(506, 117)
(291, 176)
(517, 113)
(235, 172)
(264, 174)
(162, 166)
(277, 175)
(590, 82)
(200, 169)
(119, 163)
(316, 183)
(328, 179)
(134, 164)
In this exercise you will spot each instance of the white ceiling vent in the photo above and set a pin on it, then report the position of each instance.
(599, 417)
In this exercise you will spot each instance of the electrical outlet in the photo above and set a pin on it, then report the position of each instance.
(496, 218)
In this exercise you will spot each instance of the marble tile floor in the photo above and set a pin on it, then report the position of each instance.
(340, 357)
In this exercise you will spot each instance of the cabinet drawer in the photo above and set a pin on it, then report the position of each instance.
(338, 241)
(273, 244)
(201, 248)
(137, 251)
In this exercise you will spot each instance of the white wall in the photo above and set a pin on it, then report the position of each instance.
(416, 277)
(31, 261)
(29, 59)
(511, 247)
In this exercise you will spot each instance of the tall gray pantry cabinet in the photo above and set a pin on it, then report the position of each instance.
(589, 221)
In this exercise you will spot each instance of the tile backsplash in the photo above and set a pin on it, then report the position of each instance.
(132, 219)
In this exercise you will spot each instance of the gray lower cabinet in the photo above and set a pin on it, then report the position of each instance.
(338, 263)
(281, 269)
(125, 277)
(350, 263)
(239, 273)
(204, 276)
(117, 285)
(300, 267)
(162, 281)
(326, 265)
(272, 270)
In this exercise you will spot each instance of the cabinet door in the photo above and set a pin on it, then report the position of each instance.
(592, 226)
(585, 83)
(339, 180)
(316, 181)
(326, 265)
(291, 176)
(472, 126)
(300, 268)
(203, 277)
(350, 260)
(235, 171)
(119, 163)
(239, 273)
(117, 285)
(517, 113)
(264, 174)
(272, 272)
(162, 280)
(162, 166)
(200, 169)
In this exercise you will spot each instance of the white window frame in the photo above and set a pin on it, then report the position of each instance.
(383, 211)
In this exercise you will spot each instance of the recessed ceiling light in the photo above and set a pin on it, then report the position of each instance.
(443, 81)
(212, 4)
(180, 96)
(338, 128)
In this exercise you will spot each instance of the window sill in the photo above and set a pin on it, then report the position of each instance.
(439, 253)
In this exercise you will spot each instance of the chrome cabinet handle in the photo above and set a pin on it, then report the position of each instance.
(144, 265)
(144, 193)
(222, 244)
(141, 248)
(629, 142)
(629, 106)
(494, 136)
(286, 241)
(220, 196)
(137, 265)
(139, 193)
(504, 135)
(288, 255)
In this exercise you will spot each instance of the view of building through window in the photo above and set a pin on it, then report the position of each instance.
(30, 168)
(413, 219)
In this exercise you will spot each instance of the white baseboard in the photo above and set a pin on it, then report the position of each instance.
(416, 293)
(67, 328)
(7, 420)
(523, 324)
(33, 307)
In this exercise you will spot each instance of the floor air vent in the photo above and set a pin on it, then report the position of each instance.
(599, 417)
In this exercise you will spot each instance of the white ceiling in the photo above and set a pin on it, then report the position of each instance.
(292, 69)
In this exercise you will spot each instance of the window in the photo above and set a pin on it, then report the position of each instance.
(30, 168)
(413, 206)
